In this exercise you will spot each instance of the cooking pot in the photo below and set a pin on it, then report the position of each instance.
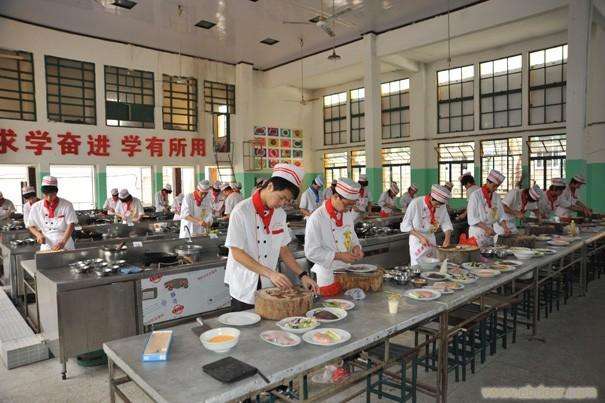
(189, 251)
(114, 252)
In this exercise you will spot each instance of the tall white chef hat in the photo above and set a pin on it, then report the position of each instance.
(347, 188)
(580, 179)
(496, 177)
(114, 191)
(535, 192)
(217, 185)
(167, 188)
(319, 180)
(123, 194)
(558, 182)
(289, 172)
(49, 181)
(26, 190)
(203, 186)
(440, 193)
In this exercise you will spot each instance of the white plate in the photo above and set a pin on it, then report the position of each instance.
(557, 243)
(543, 238)
(504, 268)
(448, 290)
(485, 273)
(362, 268)
(239, 318)
(546, 251)
(266, 336)
(426, 275)
(412, 294)
(341, 313)
(470, 265)
(513, 262)
(343, 334)
(282, 324)
(343, 303)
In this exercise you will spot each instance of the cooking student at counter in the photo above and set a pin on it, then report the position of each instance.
(408, 196)
(176, 206)
(7, 208)
(29, 194)
(387, 199)
(548, 203)
(217, 200)
(196, 211)
(129, 209)
(485, 209)
(363, 204)
(568, 201)
(233, 198)
(330, 239)
(312, 198)
(162, 205)
(111, 202)
(517, 203)
(52, 219)
(257, 236)
(468, 183)
(423, 217)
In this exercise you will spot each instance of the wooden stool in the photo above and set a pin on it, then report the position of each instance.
(401, 356)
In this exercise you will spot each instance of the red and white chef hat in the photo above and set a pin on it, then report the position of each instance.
(289, 172)
(25, 190)
(347, 188)
(225, 186)
(203, 186)
(558, 182)
(440, 193)
(49, 181)
(124, 193)
(535, 192)
(580, 179)
(449, 185)
(495, 177)
(413, 187)
(363, 178)
(217, 185)
(394, 188)
(114, 191)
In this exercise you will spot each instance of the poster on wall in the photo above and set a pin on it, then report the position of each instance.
(274, 145)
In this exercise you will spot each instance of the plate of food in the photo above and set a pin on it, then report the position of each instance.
(339, 303)
(298, 324)
(447, 287)
(361, 268)
(543, 237)
(239, 318)
(558, 242)
(545, 251)
(326, 337)
(485, 273)
(462, 276)
(423, 294)
(503, 266)
(280, 338)
(434, 276)
(473, 265)
(327, 315)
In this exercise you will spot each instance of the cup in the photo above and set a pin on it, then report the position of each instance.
(393, 302)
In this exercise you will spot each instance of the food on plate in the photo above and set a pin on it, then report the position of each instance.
(462, 276)
(418, 282)
(545, 251)
(486, 272)
(324, 315)
(326, 337)
(279, 337)
(435, 276)
(473, 265)
(421, 294)
(299, 322)
(447, 286)
(338, 303)
(221, 338)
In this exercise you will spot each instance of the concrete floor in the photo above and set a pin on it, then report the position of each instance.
(572, 354)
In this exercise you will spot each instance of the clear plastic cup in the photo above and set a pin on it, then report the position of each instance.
(393, 302)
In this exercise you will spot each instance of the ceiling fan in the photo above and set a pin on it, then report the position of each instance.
(302, 99)
(325, 23)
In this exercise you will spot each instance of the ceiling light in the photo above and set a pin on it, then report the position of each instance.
(269, 41)
(205, 24)
(334, 57)
(128, 4)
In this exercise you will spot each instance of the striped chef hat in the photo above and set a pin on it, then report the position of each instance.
(203, 186)
(394, 188)
(123, 194)
(413, 187)
(363, 178)
(535, 192)
(440, 193)
(495, 177)
(449, 185)
(580, 179)
(289, 172)
(114, 191)
(236, 185)
(25, 190)
(347, 188)
(558, 182)
(217, 185)
(318, 180)
(49, 181)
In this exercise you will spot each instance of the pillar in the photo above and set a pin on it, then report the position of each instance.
(244, 123)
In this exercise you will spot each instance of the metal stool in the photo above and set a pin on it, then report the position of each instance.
(398, 355)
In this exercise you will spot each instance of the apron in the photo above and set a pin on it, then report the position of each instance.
(343, 237)
(483, 239)
(418, 250)
(54, 230)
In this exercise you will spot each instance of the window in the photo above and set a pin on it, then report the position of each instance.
(358, 164)
(77, 184)
(17, 94)
(70, 91)
(217, 95)
(455, 97)
(335, 117)
(179, 104)
(454, 159)
(396, 166)
(221, 129)
(335, 166)
(137, 179)
(182, 180)
(501, 93)
(129, 97)
(547, 85)
(357, 115)
(395, 101)
(505, 156)
(547, 158)
(12, 179)
(220, 173)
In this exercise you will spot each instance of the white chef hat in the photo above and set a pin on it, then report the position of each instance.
(449, 185)
(347, 188)
(440, 193)
(114, 191)
(580, 179)
(204, 185)
(289, 172)
(394, 188)
(217, 185)
(558, 182)
(123, 194)
(1, 195)
(535, 192)
(26, 190)
(260, 180)
(236, 185)
(318, 180)
(180, 197)
(496, 177)
(225, 186)
(363, 178)
(167, 188)
(467, 173)
(412, 187)
(49, 181)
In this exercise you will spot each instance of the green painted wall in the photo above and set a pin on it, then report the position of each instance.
(158, 183)
(375, 182)
(577, 167)
(101, 188)
(201, 176)
(457, 203)
(248, 179)
(424, 178)
(525, 173)
(596, 193)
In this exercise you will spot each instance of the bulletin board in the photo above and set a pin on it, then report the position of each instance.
(274, 145)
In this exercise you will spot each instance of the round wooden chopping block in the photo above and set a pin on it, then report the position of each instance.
(458, 255)
(276, 304)
(365, 281)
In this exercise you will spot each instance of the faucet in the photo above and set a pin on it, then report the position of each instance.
(189, 234)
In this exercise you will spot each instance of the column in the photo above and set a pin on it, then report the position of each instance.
(372, 118)
(101, 185)
(244, 123)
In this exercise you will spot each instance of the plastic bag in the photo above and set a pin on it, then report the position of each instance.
(356, 294)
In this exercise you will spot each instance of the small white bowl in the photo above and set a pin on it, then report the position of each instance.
(429, 263)
(222, 347)
(523, 255)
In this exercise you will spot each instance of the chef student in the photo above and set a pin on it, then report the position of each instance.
(7, 208)
(468, 183)
(196, 211)
(234, 197)
(111, 202)
(312, 198)
(387, 199)
(226, 191)
(548, 203)
(330, 191)
(568, 201)
(364, 202)
(330, 239)
(176, 206)
(217, 199)
(484, 209)
(29, 194)
(423, 217)
(260, 181)
(408, 196)
(162, 205)
(52, 219)
(517, 203)
(129, 208)
(257, 236)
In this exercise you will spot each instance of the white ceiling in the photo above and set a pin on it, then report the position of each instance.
(241, 24)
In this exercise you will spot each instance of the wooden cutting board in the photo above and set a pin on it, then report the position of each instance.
(366, 281)
(276, 304)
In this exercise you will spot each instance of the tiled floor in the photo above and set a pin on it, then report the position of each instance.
(572, 354)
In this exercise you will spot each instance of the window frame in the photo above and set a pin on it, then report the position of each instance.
(341, 119)
(146, 203)
(357, 168)
(506, 92)
(401, 166)
(545, 180)
(401, 109)
(464, 166)
(191, 97)
(559, 84)
(211, 100)
(360, 103)
(93, 188)
(461, 99)
(330, 170)
(511, 160)
(143, 92)
(20, 92)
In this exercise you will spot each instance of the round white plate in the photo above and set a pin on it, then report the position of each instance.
(269, 335)
(543, 238)
(473, 265)
(239, 318)
(413, 294)
(502, 268)
(427, 276)
(557, 243)
(513, 262)
(342, 334)
(343, 303)
(485, 273)
(341, 313)
(449, 290)
(546, 251)
(282, 324)
(361, 268)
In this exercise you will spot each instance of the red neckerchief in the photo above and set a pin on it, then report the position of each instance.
(432, 209)
(362, 191)
(215, 195)
(552, 197)
(128, 204)
(524, 200)
(335, 215)
(487, 195)
(264, 213)
(198, 196)
(51, 206)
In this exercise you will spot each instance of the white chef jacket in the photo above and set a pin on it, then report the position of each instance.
(26, 210)
(136, 210)
(544, 206)
(176, 206)
(362, 203)
(405, 201)
(418, 217)
(512, 200)
(218, 203)
(110, 203)
(323, 239)
(6, 209)
(232, 200)
(329, 192)
(385, 198)
(246, 232)
(161, 203)
(478, 211)
(203, 211)
(471, 190)
(309, 201)
(54, 228)
(564, 203)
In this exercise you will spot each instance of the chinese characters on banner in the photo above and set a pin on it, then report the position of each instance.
(99, 145)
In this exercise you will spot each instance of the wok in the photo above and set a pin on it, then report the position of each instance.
(159, 257)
